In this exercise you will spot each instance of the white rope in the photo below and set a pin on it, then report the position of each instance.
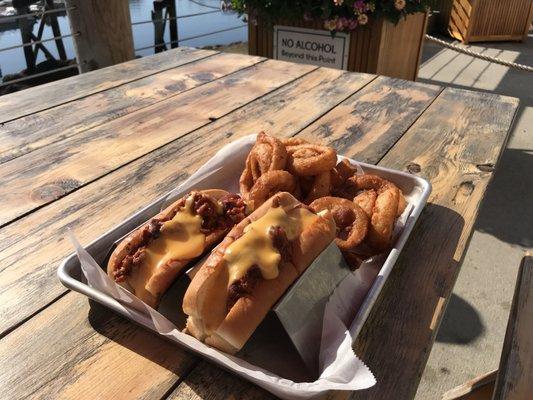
(495, 60)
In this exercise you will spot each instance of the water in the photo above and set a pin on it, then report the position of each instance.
(12, 61)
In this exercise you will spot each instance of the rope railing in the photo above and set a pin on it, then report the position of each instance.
(26, 78)
(39, 41)
(174, 18)
(34, 14)
(191, 37)
(475, 54)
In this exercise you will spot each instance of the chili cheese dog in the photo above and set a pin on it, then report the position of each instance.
(150, 258)
(251, 269)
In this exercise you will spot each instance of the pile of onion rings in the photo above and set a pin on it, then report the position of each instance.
(365, 207)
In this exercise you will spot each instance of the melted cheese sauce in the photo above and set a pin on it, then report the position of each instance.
(255, 246)
(180, 239)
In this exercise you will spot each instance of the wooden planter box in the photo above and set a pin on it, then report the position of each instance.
(490, 20)
(379, 48)
(443, 8)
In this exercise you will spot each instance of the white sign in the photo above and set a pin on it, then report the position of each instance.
(310, 46)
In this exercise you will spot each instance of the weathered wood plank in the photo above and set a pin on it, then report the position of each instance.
(28, 260)
(479, 388)
(49, 95)
(75, 344)
(515, 376)
(372, 120)
(44, 175)
(458, 132)
(37, 130)
(96, 208)
(199, 385)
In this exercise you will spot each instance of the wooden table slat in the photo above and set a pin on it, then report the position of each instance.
(368, 124)
(26, 102)
(28, 263)
(79, 346)
(40, 129)
(44, 175)
(409, 308)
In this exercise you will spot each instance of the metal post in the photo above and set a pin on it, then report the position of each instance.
(56, 30)
(159, 20)
(173, 23)
(26, 29)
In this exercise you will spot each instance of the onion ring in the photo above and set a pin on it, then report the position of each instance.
(310, 159)
(402, 204)
(320, 187)
(269, 184)
(366, 200)
(340, 186)
(294, 141)
(351, 220)
(385, 208)
(267, 154)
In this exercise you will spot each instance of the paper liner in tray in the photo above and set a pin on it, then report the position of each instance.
(339, 367)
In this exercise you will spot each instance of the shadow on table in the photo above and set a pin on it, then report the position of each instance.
(461, 323)
(208, 381)
(139, 339)
(507, 210)
(395, 341)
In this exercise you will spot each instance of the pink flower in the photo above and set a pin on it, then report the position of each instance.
(359, 5)
(343, 21)
(352, 25)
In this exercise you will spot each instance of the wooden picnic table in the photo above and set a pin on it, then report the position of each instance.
(88, 151)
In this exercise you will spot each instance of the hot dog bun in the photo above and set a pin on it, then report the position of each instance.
(147, 281)
(208, 302)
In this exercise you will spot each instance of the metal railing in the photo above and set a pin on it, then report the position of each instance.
(39, 41)
(34, 14)
(75, 34)
(174, 18)
(191, 37)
